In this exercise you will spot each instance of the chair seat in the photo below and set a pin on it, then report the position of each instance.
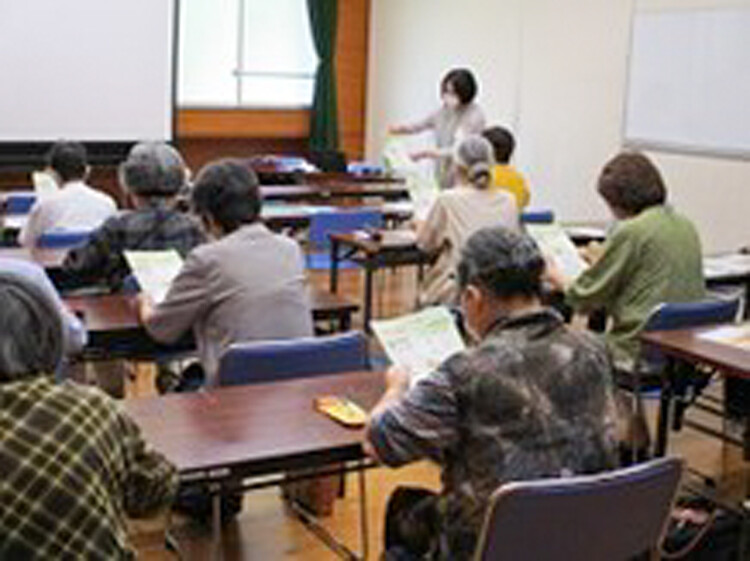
(322, 262)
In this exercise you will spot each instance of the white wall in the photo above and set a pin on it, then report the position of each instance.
(556, 73)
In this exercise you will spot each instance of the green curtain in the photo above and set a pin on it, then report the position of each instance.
(324, 131)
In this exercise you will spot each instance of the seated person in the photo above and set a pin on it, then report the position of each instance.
(153, 174)
(76, 206)
(74, 333)
(532, 400)
(504, 175)
(73, 464)
(457, 213)
(247, 284)
(653, 255)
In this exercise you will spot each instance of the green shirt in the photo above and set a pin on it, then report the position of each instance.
(651, 258)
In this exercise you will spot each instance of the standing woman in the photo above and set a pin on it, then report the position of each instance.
(458, 116)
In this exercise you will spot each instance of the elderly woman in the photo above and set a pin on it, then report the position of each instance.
(458, 213)
(533, 399)
(73, 465)
(652, 256)
(458, 116)
(153, 175)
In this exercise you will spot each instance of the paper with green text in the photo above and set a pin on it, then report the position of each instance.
(419, 342)
(154, 270)
(557, 245)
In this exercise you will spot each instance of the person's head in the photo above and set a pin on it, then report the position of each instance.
(68, 161)
(502, 142)
(32, 330)
(153, 170)
(499, 271)
(474, 160)
(458, 87)
(630, 183)
(226, 194)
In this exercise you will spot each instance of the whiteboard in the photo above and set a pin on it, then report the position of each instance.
(689, 81)
(89, 70)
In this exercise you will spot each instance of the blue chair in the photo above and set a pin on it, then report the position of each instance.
(540, 216)
(19, 203)
(63, 239)
(619, 514)
(270, 361)
(323, 224)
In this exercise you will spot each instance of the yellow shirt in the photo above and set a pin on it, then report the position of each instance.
(507, 177)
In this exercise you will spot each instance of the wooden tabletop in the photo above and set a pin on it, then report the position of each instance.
(258, 429)
(687, 344)
(330, 191)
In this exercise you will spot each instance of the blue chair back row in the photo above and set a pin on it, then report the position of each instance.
(540, 216)
(19, 203)
(63, 239)
(692, 314)
(322, 224)
(269, 361)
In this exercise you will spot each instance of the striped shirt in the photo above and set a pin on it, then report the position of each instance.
(73, 467)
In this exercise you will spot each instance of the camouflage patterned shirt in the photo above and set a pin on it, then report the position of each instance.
(533, 400)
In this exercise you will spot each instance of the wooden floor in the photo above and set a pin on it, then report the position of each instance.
(266, 531)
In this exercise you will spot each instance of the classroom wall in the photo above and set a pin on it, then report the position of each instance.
(556, 73)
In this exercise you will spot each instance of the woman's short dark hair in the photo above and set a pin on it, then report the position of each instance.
(502, 262)
(631, 183)
(227, 191)
(68, 160)
(463, 82)
(502, 142)
(32, 330)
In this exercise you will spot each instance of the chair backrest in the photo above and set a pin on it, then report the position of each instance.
(268, 361)
(614, 515)
(61, 239)
(683, 315)
(19, 203)
(322, 224)
(538, 216)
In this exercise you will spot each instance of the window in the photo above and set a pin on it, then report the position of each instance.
(245, 53)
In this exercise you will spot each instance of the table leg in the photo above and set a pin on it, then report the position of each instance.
(363, 528)
(665, 403)
(345, 321)
(334, 280)
(369, 273)
(217, 549)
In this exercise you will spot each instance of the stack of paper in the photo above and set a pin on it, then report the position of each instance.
(154, 270)
(422, 187)
(420, 342)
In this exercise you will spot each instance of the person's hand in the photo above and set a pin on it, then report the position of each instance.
(397, 380)
(397, 129)
(591, 252)
(424, 155)
(144, 306)
(554, 275)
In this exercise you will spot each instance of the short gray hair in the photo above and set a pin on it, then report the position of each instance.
(153, 169)
(32, 339)
(475, 154)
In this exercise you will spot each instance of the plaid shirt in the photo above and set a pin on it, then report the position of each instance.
(73, 466)
(533, 400)
(155, 226)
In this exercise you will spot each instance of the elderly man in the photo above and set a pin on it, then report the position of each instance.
(533, 399)
(153, 175)
(73, 464)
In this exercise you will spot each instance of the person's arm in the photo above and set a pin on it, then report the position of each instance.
(598, 285)
(33, 228)
(431, 231)
(412, 128)
(96, 258)
(149, 482)
(409, 424)
(188, 298)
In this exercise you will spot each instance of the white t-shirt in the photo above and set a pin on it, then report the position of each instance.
(75, 207)
(453, 218)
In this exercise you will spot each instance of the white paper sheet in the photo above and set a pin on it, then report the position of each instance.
(154, 270)
(555, 244)
(44, 185)
(419, 342)
(735, 335)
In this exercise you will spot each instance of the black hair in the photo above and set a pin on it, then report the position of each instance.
(463, 82)
(631, 183)
(502, 262)
(68, 160)
(502, 142)
(227, 191)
